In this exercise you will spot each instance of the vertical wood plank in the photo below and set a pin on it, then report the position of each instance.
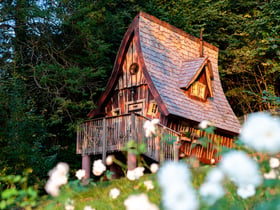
(176, 146)
(104, 141)
(131, 158)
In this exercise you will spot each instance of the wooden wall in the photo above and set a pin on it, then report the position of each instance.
(131, 94)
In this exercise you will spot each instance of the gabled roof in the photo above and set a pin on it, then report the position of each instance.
(170, 58)
(191, 69)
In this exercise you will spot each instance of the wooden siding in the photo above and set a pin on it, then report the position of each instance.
(126, 94)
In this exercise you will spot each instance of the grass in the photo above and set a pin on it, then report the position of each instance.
(96, 194)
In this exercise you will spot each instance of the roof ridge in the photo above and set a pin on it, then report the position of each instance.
(176, 30)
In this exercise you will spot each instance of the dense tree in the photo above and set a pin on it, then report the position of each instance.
(56, 57)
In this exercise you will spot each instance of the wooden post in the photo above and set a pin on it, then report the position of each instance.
(86, 167)
(104, 141)
(131, 158)
(176, 146)
(157, 149)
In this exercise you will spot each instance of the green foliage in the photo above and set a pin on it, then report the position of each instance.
(16, 193)
(135, 148)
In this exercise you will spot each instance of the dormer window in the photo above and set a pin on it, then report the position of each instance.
(196, 79)
(198, 90)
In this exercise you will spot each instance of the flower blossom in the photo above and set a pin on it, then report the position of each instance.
(204, 124)
(177, 190)
(69, 204)
(246, 191)
(109, 160)
(149, 127)
(98, 167)
(58, 177)
(154, 167)
(261, 132)
(139, 202)
(80, 174)
(270, 175)
(88, 208)
(274, 162)
(114, 193)
(242, 170)
(149, 185)
(215, 175)
(211, 190)
(135, 173)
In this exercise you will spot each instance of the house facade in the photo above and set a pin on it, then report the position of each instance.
(160, 72)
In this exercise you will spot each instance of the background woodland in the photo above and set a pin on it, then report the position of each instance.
(56, 57)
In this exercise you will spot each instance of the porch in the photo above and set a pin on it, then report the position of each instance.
(109, 134)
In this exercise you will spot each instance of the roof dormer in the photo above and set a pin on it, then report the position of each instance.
(196, 78)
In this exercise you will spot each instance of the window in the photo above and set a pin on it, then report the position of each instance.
(198, 90)
(152, 109)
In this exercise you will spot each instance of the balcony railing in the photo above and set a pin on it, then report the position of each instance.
(110, 134)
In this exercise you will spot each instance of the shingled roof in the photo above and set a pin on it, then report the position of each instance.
(170, 59)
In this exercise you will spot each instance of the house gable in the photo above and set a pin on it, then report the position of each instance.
(196, 79)
(130, 88)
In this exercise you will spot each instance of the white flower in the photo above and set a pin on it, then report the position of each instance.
(149, 127)
(114, 193)
(261, 132)
(211, 192)
(69, 204)
(177, 191)
(52, 188)
(241, 169)
(149, 185)
(204, 124)
(139, 171)
(154, 167)
(173, 173)
(139, 202)
(58, 177)
(80, 174)
(109, 160)
(179, 197)
(246, 191)
(215, 175)
(59, 174)
(98, 167)
(135, 173)
(130, 174)
(270, 175)
(89, 208)
(274, 162)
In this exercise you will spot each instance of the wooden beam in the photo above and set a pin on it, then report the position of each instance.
(86, 167)
(131, 158)
(104, 141)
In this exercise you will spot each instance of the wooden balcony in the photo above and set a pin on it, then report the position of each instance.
(110, 134)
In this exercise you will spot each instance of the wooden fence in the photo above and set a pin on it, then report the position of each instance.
(110, 134)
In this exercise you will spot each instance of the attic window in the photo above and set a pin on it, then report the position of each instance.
(198, 90)
(152, 108)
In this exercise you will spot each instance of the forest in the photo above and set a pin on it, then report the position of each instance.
(56, 57)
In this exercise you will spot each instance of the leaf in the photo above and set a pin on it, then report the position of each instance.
(6, 194)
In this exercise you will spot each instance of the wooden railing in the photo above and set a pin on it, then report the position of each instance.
(110, 134)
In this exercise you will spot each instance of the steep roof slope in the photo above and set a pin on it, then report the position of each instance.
(166, 51)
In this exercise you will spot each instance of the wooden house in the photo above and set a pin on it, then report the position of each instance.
(160, 72)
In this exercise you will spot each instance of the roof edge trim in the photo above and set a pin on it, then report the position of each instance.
(118, 62)
(150, 83)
